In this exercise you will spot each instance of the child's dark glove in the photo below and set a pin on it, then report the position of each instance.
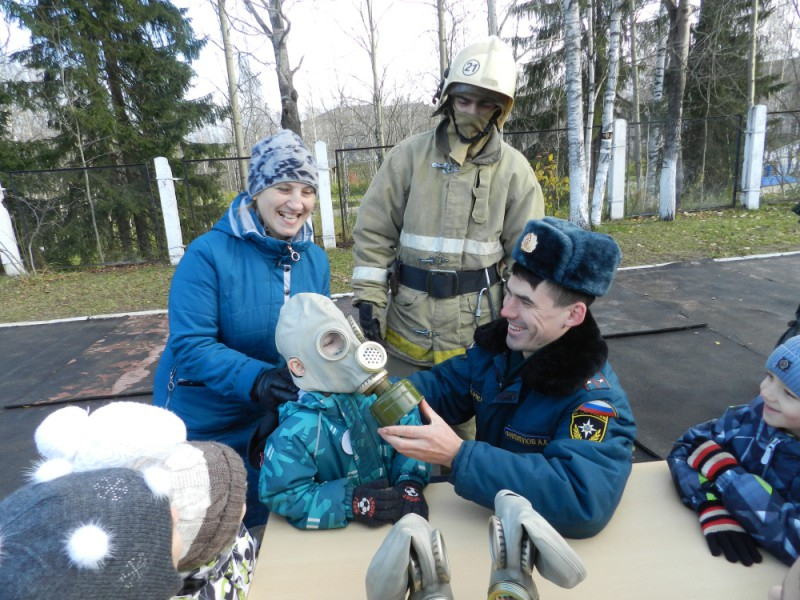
(273, 387)
(413, 501)
(724, 535)
(376, 504)
(708, 457)
(369, 324)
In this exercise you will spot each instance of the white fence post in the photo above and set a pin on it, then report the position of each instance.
(753, 167)
(616, 176)
(169, 208)
(324, 195)
(9, 251)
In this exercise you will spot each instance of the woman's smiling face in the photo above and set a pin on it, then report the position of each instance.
(285, 207)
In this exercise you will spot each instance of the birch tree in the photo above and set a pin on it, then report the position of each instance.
(578, 196)
(655, 134)
(604, 159)
(677, 52)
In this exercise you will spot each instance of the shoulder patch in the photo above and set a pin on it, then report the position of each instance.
(590, 421)
(597, 382)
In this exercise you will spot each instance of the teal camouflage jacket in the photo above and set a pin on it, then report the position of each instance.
(322, 449)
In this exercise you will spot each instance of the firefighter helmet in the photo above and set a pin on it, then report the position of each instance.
(488, 65)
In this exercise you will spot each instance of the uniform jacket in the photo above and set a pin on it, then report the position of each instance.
(227, 577)
(224, 302)
(429, 212)
(558, 432)
(322, 449)
(763, 492)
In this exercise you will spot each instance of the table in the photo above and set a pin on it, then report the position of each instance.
(652, 548)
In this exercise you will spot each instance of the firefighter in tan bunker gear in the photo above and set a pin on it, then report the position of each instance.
(441, 217)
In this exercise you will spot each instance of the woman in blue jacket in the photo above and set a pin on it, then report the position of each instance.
(220, 370)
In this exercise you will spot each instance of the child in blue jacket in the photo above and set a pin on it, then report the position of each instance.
(739, 472)
(325, 464)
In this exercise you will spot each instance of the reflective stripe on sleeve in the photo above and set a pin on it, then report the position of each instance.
(371, 274)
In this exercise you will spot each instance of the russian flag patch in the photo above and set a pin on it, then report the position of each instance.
(600, 408)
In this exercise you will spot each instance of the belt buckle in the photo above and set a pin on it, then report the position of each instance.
(442, 283)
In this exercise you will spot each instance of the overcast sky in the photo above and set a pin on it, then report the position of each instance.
(323, 36)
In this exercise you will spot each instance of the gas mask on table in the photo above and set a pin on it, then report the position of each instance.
(337, 358)
(410, 563)
(519, 539)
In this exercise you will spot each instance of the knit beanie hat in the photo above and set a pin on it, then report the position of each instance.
(88, 536)
(278, 158)
(209, 485)
(207, 480)
(784, 362)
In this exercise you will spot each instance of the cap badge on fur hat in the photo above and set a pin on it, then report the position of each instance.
(567, 255)
(529, 242)
(785, 363)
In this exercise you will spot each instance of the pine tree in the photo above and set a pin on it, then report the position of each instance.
(113, 80)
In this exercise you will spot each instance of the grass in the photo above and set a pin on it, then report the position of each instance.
(691, 236)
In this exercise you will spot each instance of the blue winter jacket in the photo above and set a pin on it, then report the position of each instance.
(224, 302)
(763, 492)
(323, 448)
(558, 431)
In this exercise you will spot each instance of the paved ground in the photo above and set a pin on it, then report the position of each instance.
(687, 340)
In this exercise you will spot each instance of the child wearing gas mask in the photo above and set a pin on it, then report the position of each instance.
(325, 465)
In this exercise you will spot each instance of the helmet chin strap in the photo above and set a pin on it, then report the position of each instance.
(481, 134)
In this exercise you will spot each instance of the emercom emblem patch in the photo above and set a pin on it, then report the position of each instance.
(590, 421)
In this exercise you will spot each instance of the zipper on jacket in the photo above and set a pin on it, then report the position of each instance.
(770, 450)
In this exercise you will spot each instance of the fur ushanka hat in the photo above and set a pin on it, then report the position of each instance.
(565, 254)
(278, 158)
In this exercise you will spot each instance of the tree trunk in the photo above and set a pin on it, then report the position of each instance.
(377, 95)
(636, 130)
(654, 132)
(290, 117)
(443, 59)
(614, 35)
(678, 49)
(491, 13)
(591, 89)
(578, 197)
(233, 95)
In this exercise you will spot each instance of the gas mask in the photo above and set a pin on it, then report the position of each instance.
(519, 539)
(337, 358)
(410, 563)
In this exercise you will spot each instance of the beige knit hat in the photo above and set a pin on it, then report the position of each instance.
(209, 484)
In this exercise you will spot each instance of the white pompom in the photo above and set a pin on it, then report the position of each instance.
(159, 481)
(51, 469)
(88, 546)
(120, 432)
(61, 433)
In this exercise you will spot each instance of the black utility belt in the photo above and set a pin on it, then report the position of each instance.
(443, 283)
